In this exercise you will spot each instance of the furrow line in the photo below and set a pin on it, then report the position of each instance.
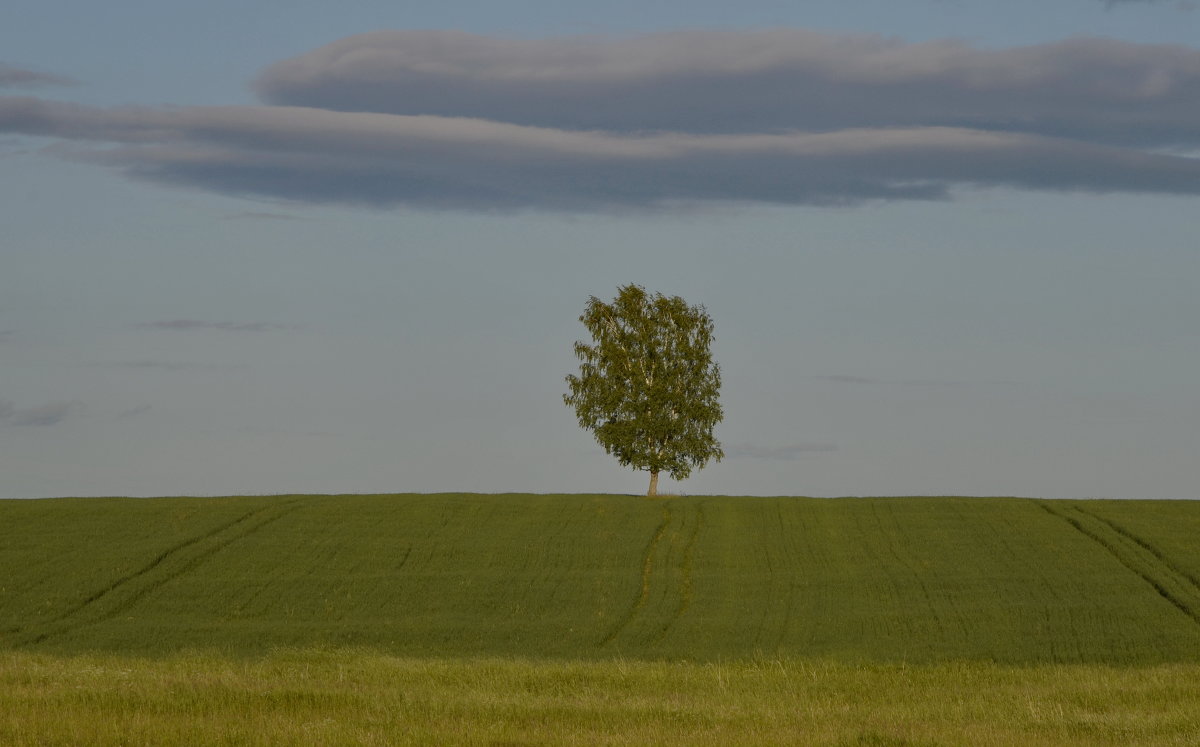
(157, 561)
(786, 546)
(1115, 551)
(685, 570)
(135, 596)
(647, 570)
(767, 543)
(1192, 580)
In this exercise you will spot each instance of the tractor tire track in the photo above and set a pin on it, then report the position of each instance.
(158, 560)
(556, 570)
(69, 621)
(647, 570)
(666, 581)
(775, 612)
(685, 573)
(1191, 579)
(791, 560)
(1162, 575)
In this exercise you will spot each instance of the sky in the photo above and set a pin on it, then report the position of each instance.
(949, 246)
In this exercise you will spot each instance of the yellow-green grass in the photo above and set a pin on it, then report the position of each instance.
(607, 577)
(363, 697)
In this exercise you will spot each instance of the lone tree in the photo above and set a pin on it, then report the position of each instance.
(647, 386)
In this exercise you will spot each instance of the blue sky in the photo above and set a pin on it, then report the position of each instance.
(949, 247)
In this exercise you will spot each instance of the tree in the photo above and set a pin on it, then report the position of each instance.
(647, 385)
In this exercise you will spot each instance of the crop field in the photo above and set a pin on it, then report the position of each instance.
(593, 618)
(600, 577)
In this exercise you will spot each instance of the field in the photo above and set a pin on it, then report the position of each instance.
(521, 618)
(357, 697)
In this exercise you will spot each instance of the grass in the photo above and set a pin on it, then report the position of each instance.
(522, 619)
(361, 697)
(913, 580)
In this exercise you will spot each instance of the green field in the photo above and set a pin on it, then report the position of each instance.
(595, 577)
(1066, 615)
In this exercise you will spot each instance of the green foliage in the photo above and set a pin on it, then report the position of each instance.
(608, 577)
(648, 386)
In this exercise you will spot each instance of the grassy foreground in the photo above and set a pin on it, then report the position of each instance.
(358, 697)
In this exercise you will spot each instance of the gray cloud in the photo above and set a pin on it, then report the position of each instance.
(16, 77)
(848, 379)
(385, 160)
(162, 365)
(781, 453)
(50, 413)
(1188, 5)
(13, 146)
(1101, 90)
(865, 380)
(195, 324)
(133, 412)
(861, 380)
(262, 216)
(457, 121)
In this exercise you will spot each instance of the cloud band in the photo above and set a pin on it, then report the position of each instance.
(457, 121)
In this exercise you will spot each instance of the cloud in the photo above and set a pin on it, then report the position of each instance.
(133, 412)
(865, 380)
(262, 216)
(779, 453)
(16, 77)
(848, 379)
(1101, 90)
(162, 365)
(13, 146)
(449, 120)
(386, 160)
(51, 413)
(189, 325)
(1186, 5)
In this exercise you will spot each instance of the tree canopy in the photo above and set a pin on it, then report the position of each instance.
(647, 385)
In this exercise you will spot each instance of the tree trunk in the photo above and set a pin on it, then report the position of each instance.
(653, 484)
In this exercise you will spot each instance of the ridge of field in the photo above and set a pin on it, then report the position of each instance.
(697, 578)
